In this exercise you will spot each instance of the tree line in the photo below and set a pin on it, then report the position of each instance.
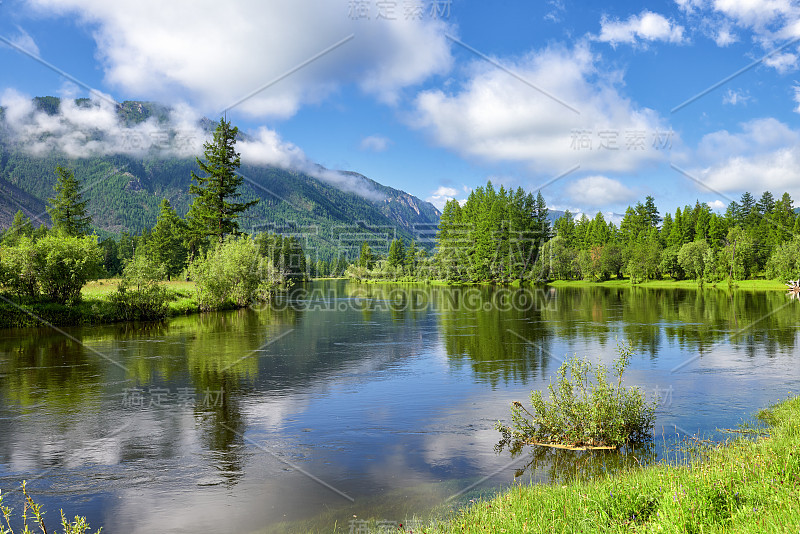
(500, 235)
(207, 246)
(751, 239)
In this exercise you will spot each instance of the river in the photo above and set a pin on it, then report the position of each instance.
(341, 402)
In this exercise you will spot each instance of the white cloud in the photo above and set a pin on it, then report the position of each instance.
(375, 143)
(689, 6)
(717, 205)
(724, 36)
(440, 197)
(755, 13)
(214, 53)
(557, 10)
(23, 40)
(95, 130)
(498, 118)
(771, 23)
(757, 136)
(647, 26)
(599, 191)
(735, 97)
(764, 155)
(782, 62)
(776, 171)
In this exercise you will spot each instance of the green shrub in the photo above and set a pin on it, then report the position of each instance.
(21, 264)
(692, 257)
(34, 511)
(583, 412)
(67, 264)
(784, 264)
(234, 273)
(56, 265)
(140, 296)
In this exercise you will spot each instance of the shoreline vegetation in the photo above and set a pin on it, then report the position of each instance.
(96, 307)
(181, 298)
(741, 485)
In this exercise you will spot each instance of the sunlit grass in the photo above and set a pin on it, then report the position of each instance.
(758, 285)
(183, 294)
(741, 486)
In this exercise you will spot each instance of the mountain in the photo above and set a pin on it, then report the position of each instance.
(124, 192)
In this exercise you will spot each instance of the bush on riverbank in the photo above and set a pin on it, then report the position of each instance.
(583, 411)
(56, 266)
(741, 486)
(234, 274)
(139, 295)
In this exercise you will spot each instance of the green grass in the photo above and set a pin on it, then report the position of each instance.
(754, 285)
(741, 486)
(748, 285)
(184, 301)
(94, 308)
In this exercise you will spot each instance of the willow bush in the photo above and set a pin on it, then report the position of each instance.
(585, 408)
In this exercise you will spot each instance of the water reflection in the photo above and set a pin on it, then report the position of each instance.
(45, 368)
(563, 465)
(379, 390)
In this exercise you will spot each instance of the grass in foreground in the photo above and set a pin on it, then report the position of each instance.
(741, 486)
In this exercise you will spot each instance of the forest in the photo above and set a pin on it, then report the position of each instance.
(42, 266)
(501, 236)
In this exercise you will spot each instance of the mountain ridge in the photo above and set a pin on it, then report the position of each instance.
(124, 191)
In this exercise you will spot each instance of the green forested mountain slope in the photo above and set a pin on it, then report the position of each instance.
(124, 193)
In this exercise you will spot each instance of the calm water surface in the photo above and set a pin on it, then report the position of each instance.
(343, 400)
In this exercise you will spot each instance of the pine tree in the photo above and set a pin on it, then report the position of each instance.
(411, 258)
(366, 259)
(747, 211)
(733, 214)
(599, 233)
(167, 241)
(666, 229)
(702, 221)
(212, 212)
(125, 248)
(565, 228)
(542, 223)
(676, 235)
(717, 230)
(20, 227)
(397, 253)
(782, 221)
(67, 208)
(451, 240)
(651, 211)
(766, 203)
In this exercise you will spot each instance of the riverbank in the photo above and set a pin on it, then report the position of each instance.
(746, 285)
(95, 307)
(742, 486)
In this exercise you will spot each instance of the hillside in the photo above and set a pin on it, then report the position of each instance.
(124, 192)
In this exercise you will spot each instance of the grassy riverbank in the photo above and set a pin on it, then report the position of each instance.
(94, 308)
(748, 285)
(742, 486)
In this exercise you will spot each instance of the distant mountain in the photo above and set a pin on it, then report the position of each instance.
(124, 193)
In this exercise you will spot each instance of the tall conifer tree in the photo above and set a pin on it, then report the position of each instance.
(67, 208)
(214, 211)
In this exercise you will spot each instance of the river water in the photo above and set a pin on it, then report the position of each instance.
(342, 402)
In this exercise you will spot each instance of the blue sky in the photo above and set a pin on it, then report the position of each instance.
(436, 97)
